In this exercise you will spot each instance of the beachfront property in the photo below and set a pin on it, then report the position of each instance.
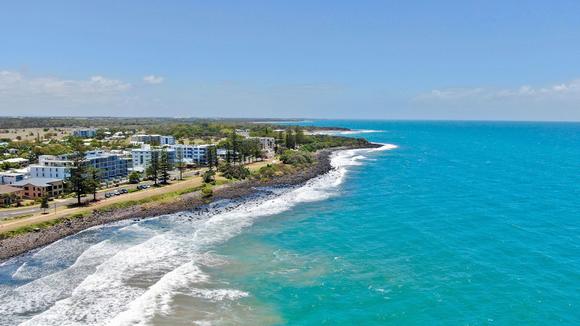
(111, 166)
(35, 188)
(85, 133)
(10, 195)
(9, 177)
(51, 166)
(142, 157)
(197, 154)
(159, 140)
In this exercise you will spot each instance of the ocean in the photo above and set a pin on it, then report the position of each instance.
(449, 223)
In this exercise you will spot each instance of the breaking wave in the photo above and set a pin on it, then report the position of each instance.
(135, 272)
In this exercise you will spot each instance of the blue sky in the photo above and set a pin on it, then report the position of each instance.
(493, 60)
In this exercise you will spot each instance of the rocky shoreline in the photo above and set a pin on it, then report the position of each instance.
(17, 245)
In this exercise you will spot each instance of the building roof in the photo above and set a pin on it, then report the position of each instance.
(39, 182)
(15, 160)
(4, 189)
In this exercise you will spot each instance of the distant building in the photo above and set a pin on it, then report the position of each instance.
(34, 188)
(8, 178)
(153, 139)
(267, 143)
(10, 195)
(142, 156)
(85, 133)
(243, 132)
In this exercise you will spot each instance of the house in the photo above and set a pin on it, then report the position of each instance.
(8, 178)
(142, 156)
(16, 161)
(35, 188)
(9, 195)
(85, 133)
(153, 139)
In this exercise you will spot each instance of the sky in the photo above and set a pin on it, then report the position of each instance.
(459, 60)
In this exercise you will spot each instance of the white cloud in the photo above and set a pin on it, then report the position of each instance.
(561, 91)
(17, 84)
(152, 79)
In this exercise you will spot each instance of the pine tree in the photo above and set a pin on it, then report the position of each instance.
(93, 181)
(76, 181)
(164, 167)
(44, 204)
(300, 138)
(153, 168)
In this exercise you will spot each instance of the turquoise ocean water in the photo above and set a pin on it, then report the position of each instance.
(462, 223)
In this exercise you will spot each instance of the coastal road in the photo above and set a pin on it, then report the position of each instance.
(30, 210)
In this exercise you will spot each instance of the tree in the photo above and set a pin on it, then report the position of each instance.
(153, 168)
(134, 177)
(299, 136)
(93, 181)
(290, 139)
(76, 181)
(209, 176)
(211, 157)
(44, 204)
(164, 167)
(179, 162)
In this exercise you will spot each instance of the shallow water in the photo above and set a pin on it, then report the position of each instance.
(462, 223)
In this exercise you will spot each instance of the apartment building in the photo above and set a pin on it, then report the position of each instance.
(111, 166)
(197, 154)
(159, 140)
(142, 156)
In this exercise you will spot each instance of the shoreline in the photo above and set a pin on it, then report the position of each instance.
(20, 244)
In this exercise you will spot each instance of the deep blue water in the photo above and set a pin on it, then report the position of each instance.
(464, 223)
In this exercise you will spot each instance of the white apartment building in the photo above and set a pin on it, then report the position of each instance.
(111, 166)
(50, 166)
(142, 156)
(197, 154)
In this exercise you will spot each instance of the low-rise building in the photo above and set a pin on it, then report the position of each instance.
(9, 195)
(8, 178)
(16, 161)
(35, 188)
(85, 133)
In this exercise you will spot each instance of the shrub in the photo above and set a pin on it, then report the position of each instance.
(296, 157)
(206, 191)
(234, 171)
